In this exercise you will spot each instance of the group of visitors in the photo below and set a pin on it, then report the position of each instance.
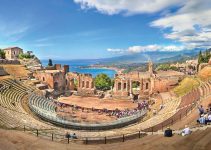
(204, 116)
(123, 113)
(143, 105)
(169, 132)
(61, 107)
(70, 136)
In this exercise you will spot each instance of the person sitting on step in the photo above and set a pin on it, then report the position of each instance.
(168, 132)
(186, 131)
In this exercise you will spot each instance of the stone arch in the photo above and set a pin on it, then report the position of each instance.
(119, 86)
(147, 86)
(87, 84)
(83, 84)
(125, 86)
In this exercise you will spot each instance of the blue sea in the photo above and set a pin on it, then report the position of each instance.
(76, 64)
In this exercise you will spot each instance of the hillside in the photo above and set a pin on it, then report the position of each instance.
(205, 73)
(15, 70)
(30, 62)
(156, 56)
(186, 86)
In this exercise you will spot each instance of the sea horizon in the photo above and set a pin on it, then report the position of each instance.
(80, 67)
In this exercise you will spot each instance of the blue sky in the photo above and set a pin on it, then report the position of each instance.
(75, 29)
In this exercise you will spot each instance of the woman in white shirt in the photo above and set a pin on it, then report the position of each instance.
(186, 131)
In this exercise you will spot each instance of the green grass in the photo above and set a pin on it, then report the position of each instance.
(186, 85)
(205, 73)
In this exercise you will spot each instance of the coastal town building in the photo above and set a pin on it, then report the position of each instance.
(12, 52)
(189, 67)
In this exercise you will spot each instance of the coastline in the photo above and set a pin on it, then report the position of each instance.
(117, 70)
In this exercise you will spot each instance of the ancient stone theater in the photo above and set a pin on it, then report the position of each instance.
(146, 83)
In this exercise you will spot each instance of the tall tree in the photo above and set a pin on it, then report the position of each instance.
(102, 82)
(50, 63)
(207, 56)
(2, 54)
(200, 58)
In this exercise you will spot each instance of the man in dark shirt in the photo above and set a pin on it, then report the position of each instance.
(201, 110)
(168, 132)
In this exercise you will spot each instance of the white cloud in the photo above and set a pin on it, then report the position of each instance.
(190, 25)
(148, 48)
(137, 49)
(128, 6)
(116, 51)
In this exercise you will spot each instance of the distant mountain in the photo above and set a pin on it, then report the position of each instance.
(156, 57)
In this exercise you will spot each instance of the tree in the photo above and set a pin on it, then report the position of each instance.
(26, 56)
(207, 56)
(200, 58)
(2, 54)
(102, 82)
(50, 63)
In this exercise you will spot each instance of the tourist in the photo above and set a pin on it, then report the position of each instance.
(74, 136)
(201, 110)
(208, 120)
(186, 131)
(67, 135)
(168, 132)
(161, 106)
(202, 119)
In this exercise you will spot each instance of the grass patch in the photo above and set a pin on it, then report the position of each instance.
(16, 70)
(205, 73)
(186, 85)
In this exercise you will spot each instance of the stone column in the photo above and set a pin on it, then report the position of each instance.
(130, 86)
(90, 84)
(122, 85)
(127, 85)
(115, 85)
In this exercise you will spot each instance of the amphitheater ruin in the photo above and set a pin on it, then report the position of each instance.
(48, 103)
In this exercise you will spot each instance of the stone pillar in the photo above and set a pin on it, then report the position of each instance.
(127, 85)
(115, 85)
(131, 88)
(122, 85)
(90, 84)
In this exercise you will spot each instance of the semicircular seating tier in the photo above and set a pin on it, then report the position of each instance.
(45, 109)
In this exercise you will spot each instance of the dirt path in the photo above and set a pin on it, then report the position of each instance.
(89, 102)
(199, 140)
